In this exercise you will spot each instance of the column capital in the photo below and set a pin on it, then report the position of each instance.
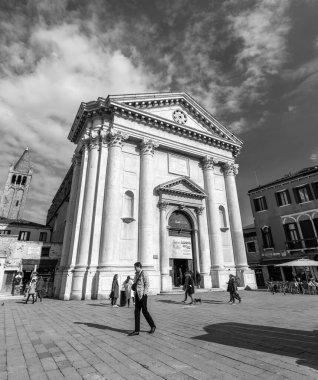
(116, 138)
(162, 205)
(199, 210)
(147, 146)
(207, 163)
(229, 168)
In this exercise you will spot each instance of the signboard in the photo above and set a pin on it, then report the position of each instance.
(180, 247)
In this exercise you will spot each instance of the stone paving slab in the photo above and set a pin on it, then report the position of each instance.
(265, 337)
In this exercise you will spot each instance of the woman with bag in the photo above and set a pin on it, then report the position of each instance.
(188, 287)
(115, 291)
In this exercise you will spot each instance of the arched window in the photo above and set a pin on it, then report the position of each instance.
(128, 209)
(223, 223)
(14, 177)
(24, 180)
(19, 180)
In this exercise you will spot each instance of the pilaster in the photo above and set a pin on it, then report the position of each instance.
(91, 140)
(77, 158)
(205, 258)
(166, 281)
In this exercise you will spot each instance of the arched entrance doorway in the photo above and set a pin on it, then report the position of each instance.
(181, 257)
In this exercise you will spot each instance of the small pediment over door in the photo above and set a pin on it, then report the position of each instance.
(182, 187)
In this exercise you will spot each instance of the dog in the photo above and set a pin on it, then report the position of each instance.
(197, 300)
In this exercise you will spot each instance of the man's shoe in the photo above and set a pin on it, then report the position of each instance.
(133, 333)
(152, 330)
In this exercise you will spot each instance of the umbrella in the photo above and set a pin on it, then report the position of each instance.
(299, 263)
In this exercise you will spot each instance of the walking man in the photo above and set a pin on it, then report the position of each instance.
(140, 287)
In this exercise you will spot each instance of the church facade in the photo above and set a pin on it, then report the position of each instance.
(152, 180)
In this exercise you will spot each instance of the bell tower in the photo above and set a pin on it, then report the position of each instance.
(16, 188)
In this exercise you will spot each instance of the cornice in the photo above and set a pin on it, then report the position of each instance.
(135, 107)
(169, 126)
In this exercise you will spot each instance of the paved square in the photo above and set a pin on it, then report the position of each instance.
(265, 337)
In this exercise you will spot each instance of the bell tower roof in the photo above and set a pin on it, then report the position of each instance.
(23, 165)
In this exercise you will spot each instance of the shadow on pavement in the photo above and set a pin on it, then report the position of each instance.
(102, 327)
(302, 345)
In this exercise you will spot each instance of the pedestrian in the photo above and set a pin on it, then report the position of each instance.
(198, 279)
(140, 287)
(31, 290)
(114, 294)
(39, 288)
(188, 287)
(129, 293)
(232, 288)
(312, 286)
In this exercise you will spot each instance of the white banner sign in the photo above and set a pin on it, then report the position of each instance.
(180, 247)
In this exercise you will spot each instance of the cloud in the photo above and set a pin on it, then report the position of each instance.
(43, 82)
(262, 31)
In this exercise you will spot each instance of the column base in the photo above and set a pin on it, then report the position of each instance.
(247, 277)
(220, 277)
(91, 284)
(79, 279)
(57, 282)
(206, 281)
(166, 283)
(104, 279)
(66, 284)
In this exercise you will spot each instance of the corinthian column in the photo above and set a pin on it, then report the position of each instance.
(145, 217)
(230, 170)
(108, 254)
(92, 142)
(91, 284)
(76, 161)
(205, 258)
(213, 223)
(112, 200)
(166, 281)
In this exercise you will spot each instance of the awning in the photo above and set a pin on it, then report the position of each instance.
(28, 264)
(299, 263)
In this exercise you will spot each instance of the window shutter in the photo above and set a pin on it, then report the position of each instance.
(271, 244)
(256, 204)
(288, 196)
(296, 195)
(309, 192)
(315, 189)
(278, 199)
(265, 203)
(264, 239)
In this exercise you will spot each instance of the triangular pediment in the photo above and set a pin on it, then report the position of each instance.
(177, 108)
(183, 186)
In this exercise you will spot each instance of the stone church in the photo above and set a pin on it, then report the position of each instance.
(152, 180)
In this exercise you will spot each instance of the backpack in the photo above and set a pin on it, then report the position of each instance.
(237, 281)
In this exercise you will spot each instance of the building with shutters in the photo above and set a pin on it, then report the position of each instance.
(152, 180)
(286, 222)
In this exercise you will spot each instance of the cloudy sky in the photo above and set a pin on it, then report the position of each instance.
(252, 64)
